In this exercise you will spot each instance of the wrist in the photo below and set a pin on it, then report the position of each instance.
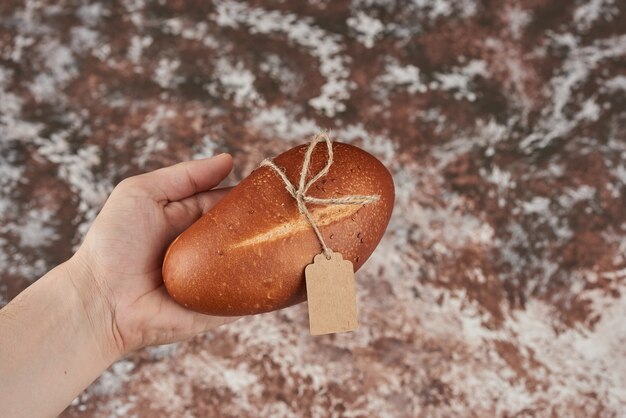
(56, 339)
(94, 307)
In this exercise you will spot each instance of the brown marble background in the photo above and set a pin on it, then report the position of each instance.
(500, 286)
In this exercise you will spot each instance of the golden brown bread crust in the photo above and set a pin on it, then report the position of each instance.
(248, 253)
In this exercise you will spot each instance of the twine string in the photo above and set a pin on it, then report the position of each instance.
(299, 194)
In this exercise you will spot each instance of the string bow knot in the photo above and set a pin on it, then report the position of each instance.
(299, 194)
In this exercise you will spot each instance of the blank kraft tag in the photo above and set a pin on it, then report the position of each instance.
(331, 295)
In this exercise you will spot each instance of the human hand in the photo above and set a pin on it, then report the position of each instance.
(121, 257)
(59, 334)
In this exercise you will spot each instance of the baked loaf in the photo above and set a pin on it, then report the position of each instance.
(247, 255)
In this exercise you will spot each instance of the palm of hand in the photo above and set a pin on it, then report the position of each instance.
(125, 246)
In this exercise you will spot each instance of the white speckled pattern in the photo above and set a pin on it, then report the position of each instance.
(499, 289)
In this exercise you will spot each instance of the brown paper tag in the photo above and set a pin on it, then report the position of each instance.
(331, 295)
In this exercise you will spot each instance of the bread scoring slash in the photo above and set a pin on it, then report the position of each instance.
(247, 255)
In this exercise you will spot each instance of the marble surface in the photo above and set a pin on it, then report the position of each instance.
(500, 286)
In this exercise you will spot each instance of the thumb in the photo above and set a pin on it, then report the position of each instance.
(185, 179)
